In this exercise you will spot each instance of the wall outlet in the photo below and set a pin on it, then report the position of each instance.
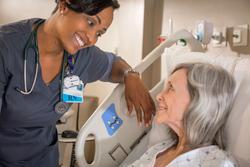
(240, 35)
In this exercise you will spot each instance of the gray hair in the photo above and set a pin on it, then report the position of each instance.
(211, 90)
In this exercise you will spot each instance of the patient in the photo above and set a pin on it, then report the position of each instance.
(194, 104)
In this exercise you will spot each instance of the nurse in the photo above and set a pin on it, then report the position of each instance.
(44, 65)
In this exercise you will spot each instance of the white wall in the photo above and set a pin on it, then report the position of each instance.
(222, 13)
(124, 36)
(130, 19)
(13, 10)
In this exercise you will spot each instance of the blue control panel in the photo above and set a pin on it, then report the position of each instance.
(111, 120)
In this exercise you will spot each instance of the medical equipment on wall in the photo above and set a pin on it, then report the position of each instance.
(109, 121)
(71, 87)
(203, 31)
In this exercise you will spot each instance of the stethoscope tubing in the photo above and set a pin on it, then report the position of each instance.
(26, 91)
(29, 45)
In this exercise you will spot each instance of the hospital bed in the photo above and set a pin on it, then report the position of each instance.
(118, 138)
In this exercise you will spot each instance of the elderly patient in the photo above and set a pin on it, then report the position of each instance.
(194, 104)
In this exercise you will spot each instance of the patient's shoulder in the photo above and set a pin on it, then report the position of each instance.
(214, 156)
(148, 158)
(210, 156)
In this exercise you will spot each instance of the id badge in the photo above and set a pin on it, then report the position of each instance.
(72, 89)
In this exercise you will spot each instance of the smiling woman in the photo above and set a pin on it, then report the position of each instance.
(194, 105)
(39, 59)
(89, 19)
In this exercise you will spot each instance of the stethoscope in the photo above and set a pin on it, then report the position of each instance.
(60, 107)
(33, 36)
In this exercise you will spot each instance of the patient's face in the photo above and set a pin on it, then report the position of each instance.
(173, 101)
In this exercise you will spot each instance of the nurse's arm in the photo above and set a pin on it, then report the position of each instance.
(136, 93)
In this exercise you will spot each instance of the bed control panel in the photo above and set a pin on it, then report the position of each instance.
(111, 120)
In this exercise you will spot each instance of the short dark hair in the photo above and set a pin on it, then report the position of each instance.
(89, 7)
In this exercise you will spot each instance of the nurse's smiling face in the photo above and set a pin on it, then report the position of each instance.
(79, 30)
(173, 101)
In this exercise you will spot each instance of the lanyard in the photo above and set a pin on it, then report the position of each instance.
(67, 68)
(71, 62)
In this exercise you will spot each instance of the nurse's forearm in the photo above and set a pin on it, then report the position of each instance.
(118, 71)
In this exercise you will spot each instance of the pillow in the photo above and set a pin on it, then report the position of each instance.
(238, 124)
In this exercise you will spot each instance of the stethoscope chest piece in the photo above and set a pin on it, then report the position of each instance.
(62, 107)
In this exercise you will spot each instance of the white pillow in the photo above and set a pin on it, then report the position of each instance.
(238, 124)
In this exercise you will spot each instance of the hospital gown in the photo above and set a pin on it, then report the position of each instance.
(209, 156)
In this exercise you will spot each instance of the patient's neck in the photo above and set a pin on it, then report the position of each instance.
(182, 145)
(164, 158)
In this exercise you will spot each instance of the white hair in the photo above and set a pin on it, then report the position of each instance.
(211, 90)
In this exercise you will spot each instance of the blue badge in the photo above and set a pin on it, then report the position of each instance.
(111, 120)
(72, 90)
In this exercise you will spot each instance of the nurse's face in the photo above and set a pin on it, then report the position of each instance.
(173, 101)
(78, 30)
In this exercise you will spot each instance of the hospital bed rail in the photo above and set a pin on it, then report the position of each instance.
(110, 153)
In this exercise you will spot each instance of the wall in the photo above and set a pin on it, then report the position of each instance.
(222, 13)
(153, 12)
(13, 10)
(124, 36)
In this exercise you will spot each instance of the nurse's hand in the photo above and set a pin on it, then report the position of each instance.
(138, 97)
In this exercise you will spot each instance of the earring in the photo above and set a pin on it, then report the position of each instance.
(61, 12)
